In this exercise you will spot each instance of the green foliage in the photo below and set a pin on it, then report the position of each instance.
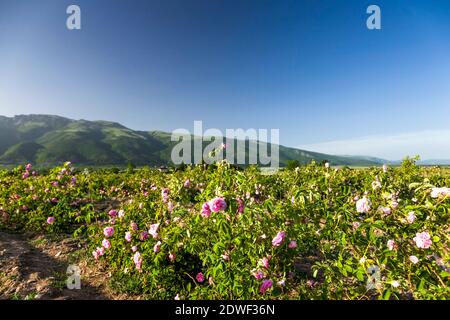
(292, 164)
(315, 206)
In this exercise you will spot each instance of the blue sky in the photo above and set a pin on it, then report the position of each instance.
(310, 68)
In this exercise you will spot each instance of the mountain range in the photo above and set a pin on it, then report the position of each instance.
(47, 140)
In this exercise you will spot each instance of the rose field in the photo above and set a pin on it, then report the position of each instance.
(220, 232)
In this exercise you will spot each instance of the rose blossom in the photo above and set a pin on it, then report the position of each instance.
(217, 204)
(258, 274)
(108, 231)
(153, 231)
(411, 217)
(143, 236)
(264, 262)
(363, 205)
(165, 194)
(50, 220)
(391, 244)
(157, 247)
(423, 240)
(292, 244)
(106, 244)
(414, 259)
(128, 236)
(112, 213)
(279, 238)
(440, 192)
(200, 277)
(241, 205)
(100, 251)
(206, 210)
(266, 285)
(137, 261)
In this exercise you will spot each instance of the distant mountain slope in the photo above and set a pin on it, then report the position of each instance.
(49, 140)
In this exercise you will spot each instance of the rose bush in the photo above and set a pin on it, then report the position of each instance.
(218, 232)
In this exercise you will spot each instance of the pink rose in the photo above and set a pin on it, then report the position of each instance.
(95, 254)
(143, 236)
(200, 277)
(292, 244)
(217, 204)
(423, 240)
(128, 236)
(121, 214)
(157, 247)
(106, 244)
(264, 262)
(414, 259)
(50, 220)
(411, 217)
(363, 205)
(165, 194)
(134, 226)
(172, 256)
(112, 213)
(391, 244)
(108, 231)
(137, 261)
(154, 230)
(440, 192)
(385, 210)
(206, 210)
(187, 183)
(266, 285)
(134, 248)
(279, 238)
(136, 257)
(258, 274)
(100, 251)
(241, 206)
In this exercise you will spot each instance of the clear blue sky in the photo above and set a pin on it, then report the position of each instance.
(310, 68)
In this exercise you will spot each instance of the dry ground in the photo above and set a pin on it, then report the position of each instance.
(35, 267)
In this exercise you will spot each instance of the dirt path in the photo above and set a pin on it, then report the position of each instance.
(35, 268)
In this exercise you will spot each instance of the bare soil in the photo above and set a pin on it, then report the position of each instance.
(35, 267)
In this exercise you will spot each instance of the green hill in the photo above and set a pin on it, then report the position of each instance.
(49, 140)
